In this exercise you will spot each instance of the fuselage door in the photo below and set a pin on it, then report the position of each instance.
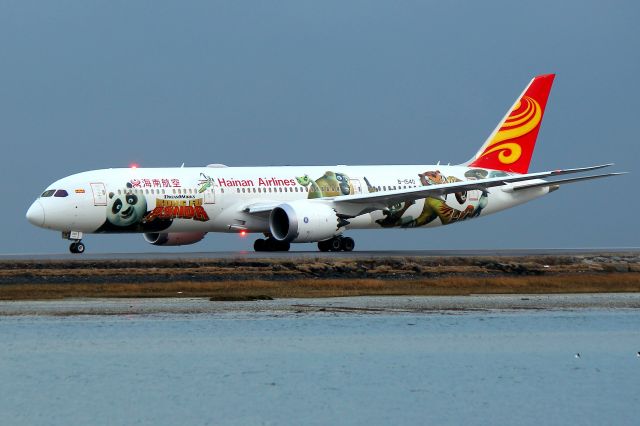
(357, 187)
(99, 194)
(210, 195)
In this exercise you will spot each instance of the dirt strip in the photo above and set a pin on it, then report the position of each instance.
(241, 279)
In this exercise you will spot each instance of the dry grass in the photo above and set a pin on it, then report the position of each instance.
(310, 287)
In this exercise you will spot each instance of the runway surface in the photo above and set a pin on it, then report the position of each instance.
(318, 254)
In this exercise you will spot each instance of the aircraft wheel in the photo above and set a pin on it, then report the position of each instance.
(260, 245)
(323, 245)
(76, 247)
(284, 246)
(335, 244)
(271, 244)
(347, 244)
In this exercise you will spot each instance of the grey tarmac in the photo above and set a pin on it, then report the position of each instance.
(317, 254)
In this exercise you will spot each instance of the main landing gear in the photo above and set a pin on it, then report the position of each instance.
(270, 244)
(338, 243)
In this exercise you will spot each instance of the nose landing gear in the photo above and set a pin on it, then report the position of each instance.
(338, 243)
(76, 247)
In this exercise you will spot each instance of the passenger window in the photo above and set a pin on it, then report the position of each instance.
(60, 193)
(48, 193)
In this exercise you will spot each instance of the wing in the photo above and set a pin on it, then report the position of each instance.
(355, 205)
(261, 208)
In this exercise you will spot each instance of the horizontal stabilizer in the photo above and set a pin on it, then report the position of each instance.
(563, 181)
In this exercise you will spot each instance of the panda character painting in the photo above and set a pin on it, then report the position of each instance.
(126, 213)
(126, 210)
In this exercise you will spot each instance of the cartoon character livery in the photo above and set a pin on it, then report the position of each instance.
(285, 205)
(330, 184)
(124, 212)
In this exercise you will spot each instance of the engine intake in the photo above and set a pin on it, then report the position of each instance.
(303, 221)
(173, 238)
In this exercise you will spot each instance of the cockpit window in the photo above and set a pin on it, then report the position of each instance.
(48, 193)
(60, 193)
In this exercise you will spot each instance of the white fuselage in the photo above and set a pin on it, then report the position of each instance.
(216, 199)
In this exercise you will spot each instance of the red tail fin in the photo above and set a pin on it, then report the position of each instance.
(510, 145)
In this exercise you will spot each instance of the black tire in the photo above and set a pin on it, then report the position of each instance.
(347, 244)
(270, 245)
(284, 246)
(72, 247)
(335, 244)
(80, 248)
(259, 245)
(323, 245)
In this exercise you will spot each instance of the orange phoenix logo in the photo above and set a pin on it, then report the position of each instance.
(524, 117)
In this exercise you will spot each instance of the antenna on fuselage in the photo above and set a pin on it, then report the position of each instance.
(182, 165)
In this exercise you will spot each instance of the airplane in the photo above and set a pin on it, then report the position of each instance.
(306, 204)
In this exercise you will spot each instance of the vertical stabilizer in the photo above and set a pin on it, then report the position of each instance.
(510, 145)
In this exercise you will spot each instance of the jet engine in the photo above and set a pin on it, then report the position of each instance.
(304, 221)
(173, 238)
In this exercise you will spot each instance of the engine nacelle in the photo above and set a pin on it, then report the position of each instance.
(173, 238)
(303, 221)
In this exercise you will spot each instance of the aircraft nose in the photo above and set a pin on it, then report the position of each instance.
(35, 214)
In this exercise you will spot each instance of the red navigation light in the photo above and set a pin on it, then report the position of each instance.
(133, 165)
(243, 233)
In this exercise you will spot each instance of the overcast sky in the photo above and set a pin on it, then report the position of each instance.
(87, 85)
